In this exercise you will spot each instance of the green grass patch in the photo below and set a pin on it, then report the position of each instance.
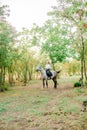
(64, 101)
(4, 87)
(71, 108)
(34, 111)
(79, 90)
(40, 100)
(71, 79)
(2, 109)
(81, 99)
(66, 105)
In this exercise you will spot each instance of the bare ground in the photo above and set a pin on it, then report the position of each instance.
(33, 108)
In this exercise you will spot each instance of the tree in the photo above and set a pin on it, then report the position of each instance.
(4, 12)
(73, 13)
(28, 39)
(56, 41)
(7, 41)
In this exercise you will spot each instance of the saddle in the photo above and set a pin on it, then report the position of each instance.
(48, 72)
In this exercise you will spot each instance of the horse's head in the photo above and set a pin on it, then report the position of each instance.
(38, 68)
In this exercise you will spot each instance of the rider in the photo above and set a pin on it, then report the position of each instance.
(48, 67)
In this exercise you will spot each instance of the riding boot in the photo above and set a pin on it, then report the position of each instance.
(51, 77)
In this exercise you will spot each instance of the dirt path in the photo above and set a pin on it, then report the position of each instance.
(33, 108)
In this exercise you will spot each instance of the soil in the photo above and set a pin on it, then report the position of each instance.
(32, 107)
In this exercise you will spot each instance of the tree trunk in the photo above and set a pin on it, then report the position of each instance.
(1, 76)
(4, 75)
(10, 75)
(82, 71)
(85, 71)
(82, 59)
(25, 74)
(30, 76)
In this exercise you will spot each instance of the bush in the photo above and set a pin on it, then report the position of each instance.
(4, 87)
(77, 84)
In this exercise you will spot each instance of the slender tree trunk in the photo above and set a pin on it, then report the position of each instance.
(82, 59)
(30, 76)
(2, 78)
(25, 74)
(10, 75)
(85, 70)
(3, 75)
(82, 71)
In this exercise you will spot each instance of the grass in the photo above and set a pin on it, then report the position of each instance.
(67, 79)
(32, 107)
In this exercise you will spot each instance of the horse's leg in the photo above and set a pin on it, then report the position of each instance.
(47, 83)
(55, 82)
(43, 83)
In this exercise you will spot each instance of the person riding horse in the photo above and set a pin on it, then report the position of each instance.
(45, 77)
(48, 68)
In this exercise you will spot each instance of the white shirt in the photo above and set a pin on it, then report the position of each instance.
(48, 66)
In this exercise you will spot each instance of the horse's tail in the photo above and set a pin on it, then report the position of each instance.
(58, 71)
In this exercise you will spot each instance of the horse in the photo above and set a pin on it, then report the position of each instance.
(45, 78)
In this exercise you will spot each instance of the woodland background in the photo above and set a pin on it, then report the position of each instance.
(62, 40)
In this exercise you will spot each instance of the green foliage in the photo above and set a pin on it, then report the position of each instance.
(7, 38)
(56, 43)
(6, 50)
(4, 87)
(58, 39)
(77, 84)
(7, 42)
(73, 16)
(4, 11)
